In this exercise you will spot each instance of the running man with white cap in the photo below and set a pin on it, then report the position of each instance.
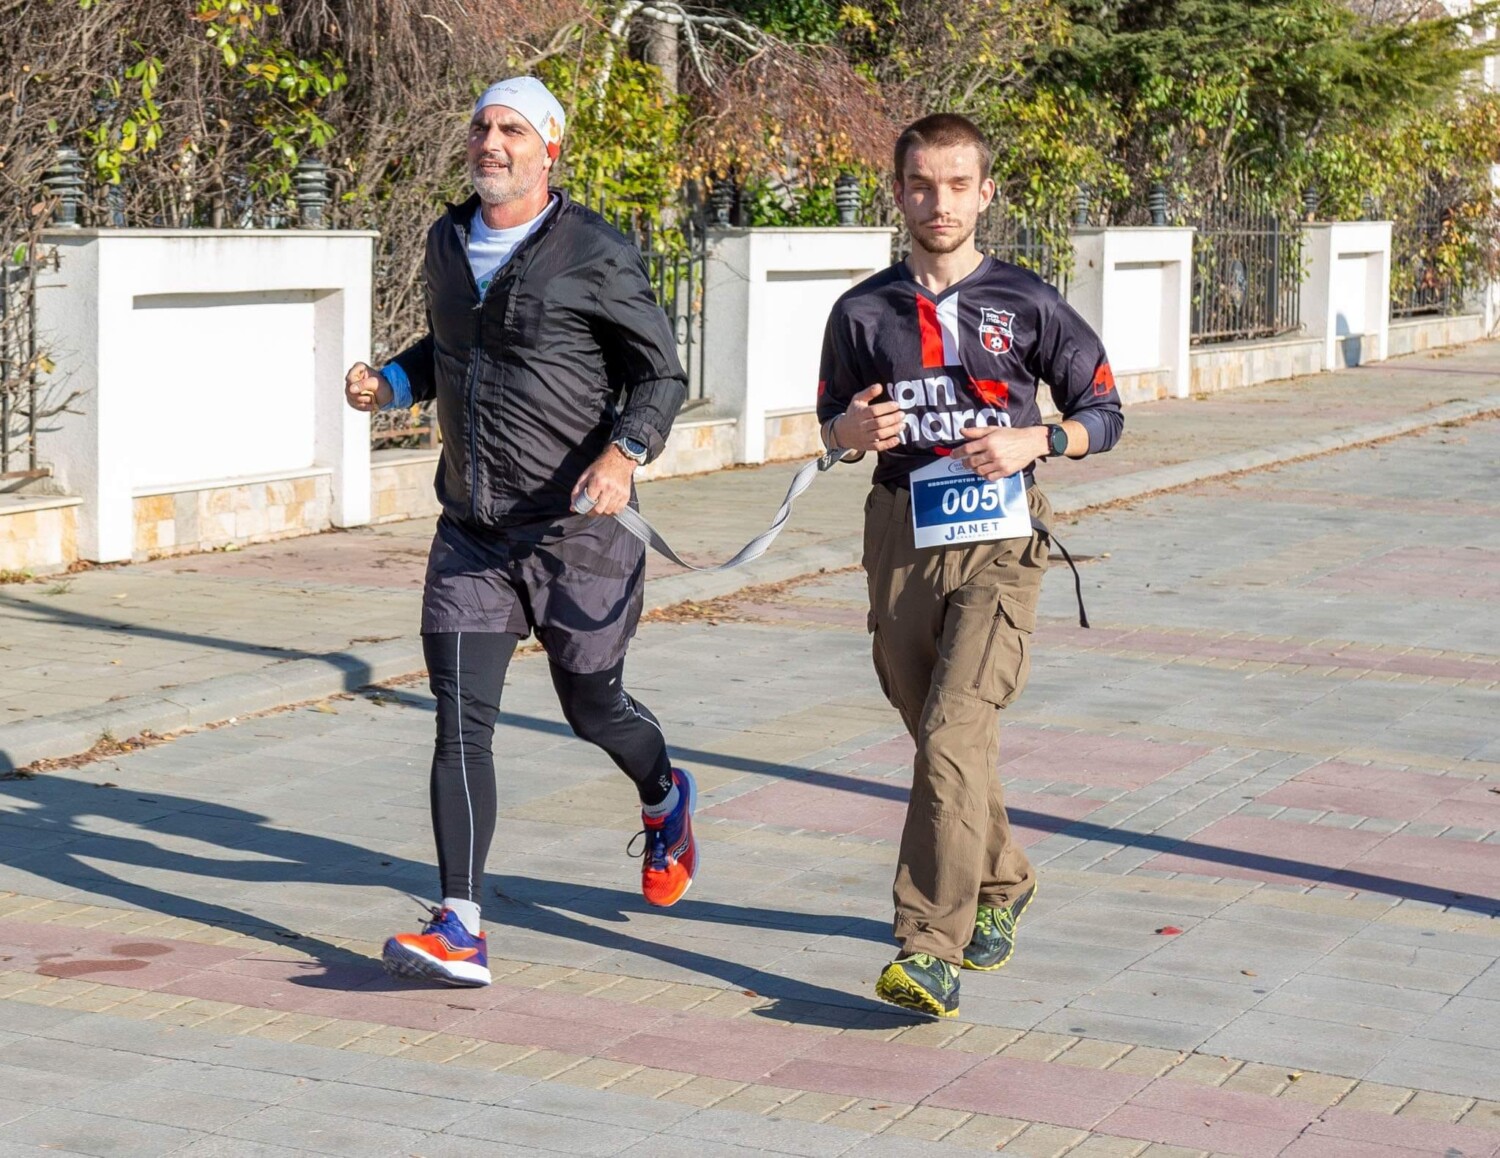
(554, 373)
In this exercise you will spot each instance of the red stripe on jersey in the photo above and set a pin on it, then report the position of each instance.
(994, 392)
(932, 333)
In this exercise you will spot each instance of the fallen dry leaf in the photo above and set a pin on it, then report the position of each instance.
(1248, 972)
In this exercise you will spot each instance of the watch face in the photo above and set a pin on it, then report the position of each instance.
(636, 450)
(1057, 439)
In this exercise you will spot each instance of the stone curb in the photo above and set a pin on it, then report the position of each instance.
(208, 701)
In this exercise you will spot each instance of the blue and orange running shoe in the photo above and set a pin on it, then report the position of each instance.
(670, 856)
(443, 951)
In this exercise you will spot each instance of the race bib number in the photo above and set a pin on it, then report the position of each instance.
(951, 504)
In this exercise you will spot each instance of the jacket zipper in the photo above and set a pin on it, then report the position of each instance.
(989, 644)
(463, 247)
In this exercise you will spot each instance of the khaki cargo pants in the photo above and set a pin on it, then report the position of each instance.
(952, 647)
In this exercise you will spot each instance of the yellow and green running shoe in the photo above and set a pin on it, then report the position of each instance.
(994, 938)
(922, 983)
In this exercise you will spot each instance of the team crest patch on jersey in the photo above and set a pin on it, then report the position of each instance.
(995, 329)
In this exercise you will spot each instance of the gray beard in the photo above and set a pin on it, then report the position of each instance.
(501, 190)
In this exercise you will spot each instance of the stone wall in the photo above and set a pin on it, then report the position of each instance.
(1141, 386)
(184, 521)
(38, 533)
(1413, 335)
(1235, 364)
(401, 485)
(694, 448)
(792, 436)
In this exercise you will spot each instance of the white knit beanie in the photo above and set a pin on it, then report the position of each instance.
(532, 99)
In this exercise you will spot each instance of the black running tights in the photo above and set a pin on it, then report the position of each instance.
(466, 671)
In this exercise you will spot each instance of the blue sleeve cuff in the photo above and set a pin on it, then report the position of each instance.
(400, 386)
(1103, 426)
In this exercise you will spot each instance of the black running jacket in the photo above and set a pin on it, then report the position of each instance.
(566, 351)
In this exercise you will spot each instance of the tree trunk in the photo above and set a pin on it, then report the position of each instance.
(661, 51)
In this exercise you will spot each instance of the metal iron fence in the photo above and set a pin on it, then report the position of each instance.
(1247, 265)
(19, 363)
(1418, 284)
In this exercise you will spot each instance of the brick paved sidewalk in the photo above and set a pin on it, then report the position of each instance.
(195, 639)
(1279, 740)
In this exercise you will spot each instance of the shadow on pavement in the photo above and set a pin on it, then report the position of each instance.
(68, 814)
(1209, 854)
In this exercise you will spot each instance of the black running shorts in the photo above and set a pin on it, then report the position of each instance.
(577, 584)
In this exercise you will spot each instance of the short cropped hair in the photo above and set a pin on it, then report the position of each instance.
(942, 130)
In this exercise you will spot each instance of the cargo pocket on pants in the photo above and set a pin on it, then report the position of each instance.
(1005, 663)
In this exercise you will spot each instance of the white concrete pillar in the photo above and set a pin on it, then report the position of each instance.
(1490, 290)
(1134, 287)
(1346, 291)
(201, 359)
(767, 295)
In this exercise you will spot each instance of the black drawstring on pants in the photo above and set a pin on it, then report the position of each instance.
(1042, 529)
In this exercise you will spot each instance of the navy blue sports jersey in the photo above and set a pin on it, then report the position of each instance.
(969, 356)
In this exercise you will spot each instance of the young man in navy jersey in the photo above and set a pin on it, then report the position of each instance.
(935, 365)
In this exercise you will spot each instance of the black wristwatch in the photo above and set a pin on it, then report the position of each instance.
(1057, 441)
(633, 448)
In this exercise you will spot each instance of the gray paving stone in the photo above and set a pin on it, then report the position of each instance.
(896, 1146)
(481, 1087)
(1486, 985)
(644, 1114)
(1445, 1066)
(195, 1077)
(21, 1150)
(652, 1148)
(75, 1061)
(107, 1137)
(215, 1146)
(252, 1053)
(1469, 834)
(1436, 970)
(129, 1035)
(11, 1111)
(559, 1135)
(1302, 815)
(326, 1133)
(148, 1103)
(781, 1135)
(1465, 1021)
(1276, 1039)
(31, 1019)
(374, 1104)
(1080, 1022)
(43, 1087)
(1381, 824)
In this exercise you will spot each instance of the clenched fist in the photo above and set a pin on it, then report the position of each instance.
(365, 389)
(867, 424)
